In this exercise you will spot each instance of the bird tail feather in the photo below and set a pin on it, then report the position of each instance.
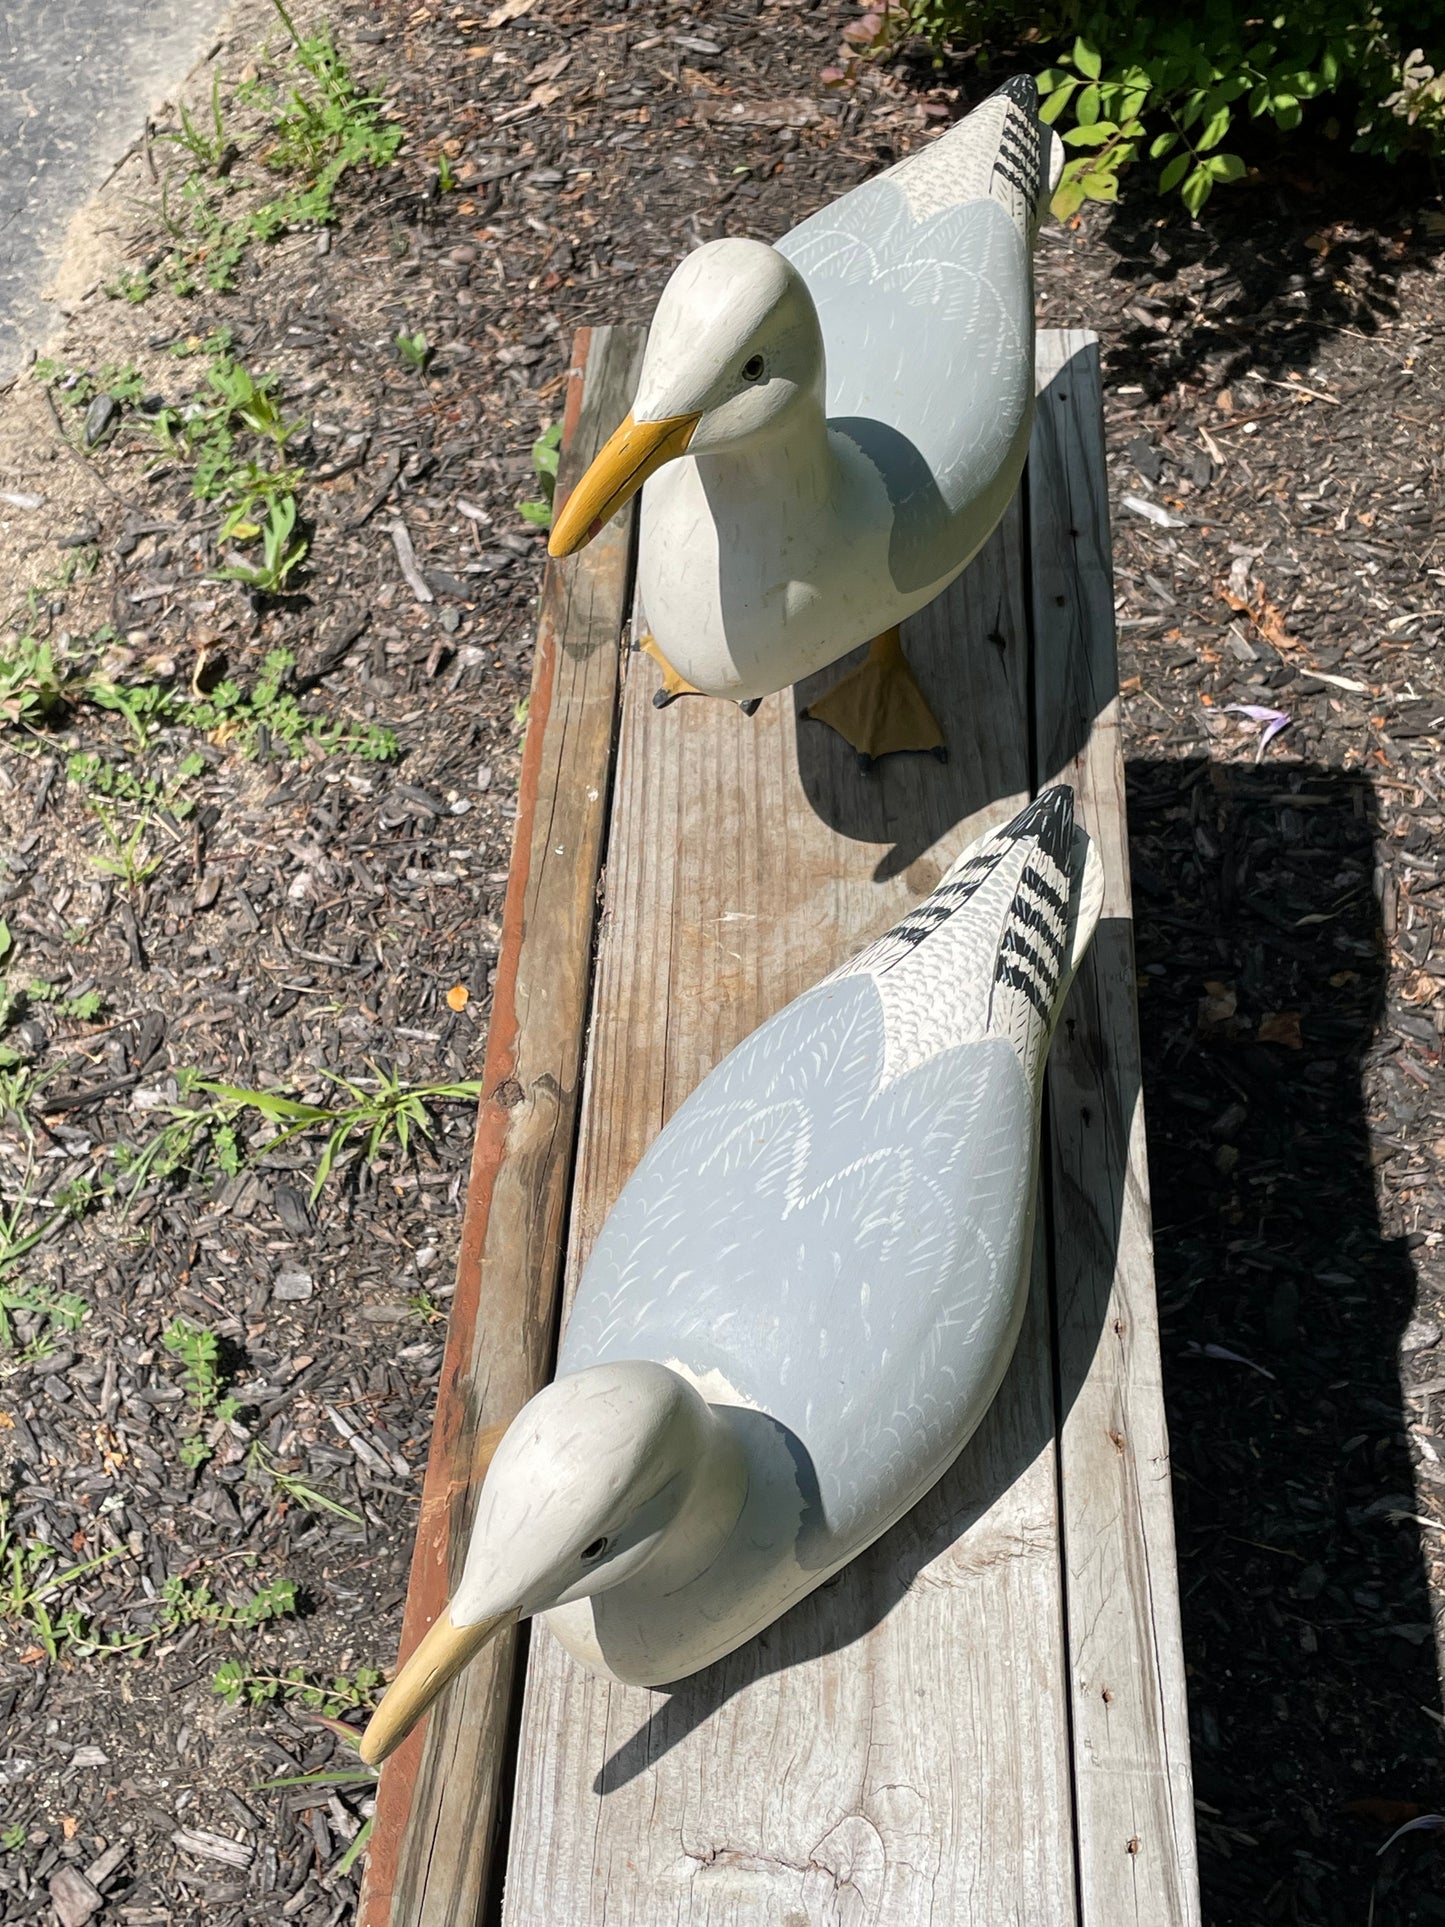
(1030, 157)
(1057, 896)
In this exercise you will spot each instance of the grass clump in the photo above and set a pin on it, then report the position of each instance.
(377, 1112)
(320, 123)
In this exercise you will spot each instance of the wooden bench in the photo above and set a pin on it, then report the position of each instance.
(982, 1721)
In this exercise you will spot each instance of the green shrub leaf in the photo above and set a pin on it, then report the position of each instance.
(1057, 101)
(1088, 59)
(1226, 167)
(1174, 173)
(1099, 135)
(1101, 186)
(1215, 129)
(1196, 190)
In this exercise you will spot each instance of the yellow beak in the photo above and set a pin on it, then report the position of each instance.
(617, 472)
(441, 1655)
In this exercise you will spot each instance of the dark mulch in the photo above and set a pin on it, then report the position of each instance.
(312, 916)
(1270, 382)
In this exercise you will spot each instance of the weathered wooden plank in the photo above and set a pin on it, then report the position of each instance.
(1131, 1736)
(896, 1749)
(432, 1845)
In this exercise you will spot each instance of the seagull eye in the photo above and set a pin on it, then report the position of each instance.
(752, 368)
(595, 1550)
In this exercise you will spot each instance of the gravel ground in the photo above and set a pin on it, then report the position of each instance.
(317, 913)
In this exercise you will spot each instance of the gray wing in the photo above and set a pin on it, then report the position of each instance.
(850, 1254)
(928, 329)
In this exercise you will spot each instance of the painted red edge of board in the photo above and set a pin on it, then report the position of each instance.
(448, 1462)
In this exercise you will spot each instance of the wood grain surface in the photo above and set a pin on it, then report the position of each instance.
(431, 1853)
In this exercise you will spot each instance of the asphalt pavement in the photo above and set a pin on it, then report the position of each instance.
(76, 79)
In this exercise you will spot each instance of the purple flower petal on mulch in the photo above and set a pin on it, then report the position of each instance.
(1427, 1823)
(1274, 720)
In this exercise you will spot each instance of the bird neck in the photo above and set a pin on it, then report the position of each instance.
(791, 457)
(708, 1513)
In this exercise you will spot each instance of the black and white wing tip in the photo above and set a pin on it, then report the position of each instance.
(1056, 904)
(1030, 155)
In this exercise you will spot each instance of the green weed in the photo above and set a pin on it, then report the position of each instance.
(545, 452)
(18, 1082)
(344, 1693)
(195, 1605)
(43, 687)
(191, 1137)
(78, 387)
(32, 1578)
(27, 1218)
(134, 287)
(199, 1352)
(262, 1464)
(321, 124)
(208, 149)
(373, 1118)
(414, 350)
(129, 859)
(35, 688)
(229, 715)
(358, 1774)
(66, 1312)
(281, 555)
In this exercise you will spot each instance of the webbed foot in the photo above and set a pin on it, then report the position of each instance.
(879, 708)
(673, 685)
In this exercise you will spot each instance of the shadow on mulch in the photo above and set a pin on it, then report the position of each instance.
(1307, 1621)
(1312, 246)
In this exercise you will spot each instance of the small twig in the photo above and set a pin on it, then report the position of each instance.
(132, 936)
(406, 556)
(76, 1100)
(380, 493)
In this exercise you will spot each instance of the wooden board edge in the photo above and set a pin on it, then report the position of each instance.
(449, 1459)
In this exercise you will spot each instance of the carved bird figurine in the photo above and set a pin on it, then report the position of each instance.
(831, 428)
(802, 1303)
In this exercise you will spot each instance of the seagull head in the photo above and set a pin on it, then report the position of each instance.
(734, 348)
(593, 1477)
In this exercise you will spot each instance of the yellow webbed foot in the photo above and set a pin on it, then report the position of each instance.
(673, 685)
(878, 707)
